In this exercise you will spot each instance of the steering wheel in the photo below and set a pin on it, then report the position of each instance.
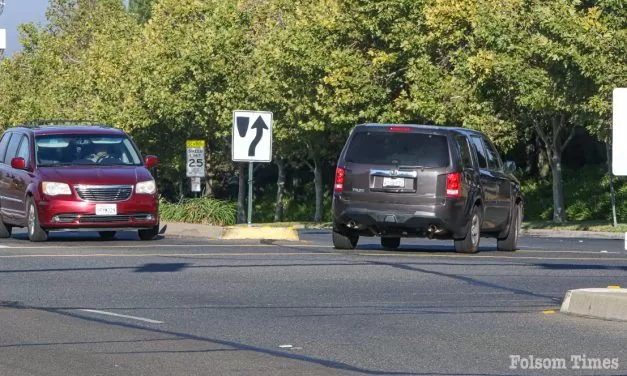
(102, 157)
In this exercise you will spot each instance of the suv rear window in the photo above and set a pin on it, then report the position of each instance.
(406, 149)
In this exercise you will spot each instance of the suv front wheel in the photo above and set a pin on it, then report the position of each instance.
(35, 232)
(510, 243)
(470, 244)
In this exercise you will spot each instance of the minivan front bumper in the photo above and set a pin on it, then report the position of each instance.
(139, 212)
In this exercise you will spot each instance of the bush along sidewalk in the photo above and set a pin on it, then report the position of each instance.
(198, 210)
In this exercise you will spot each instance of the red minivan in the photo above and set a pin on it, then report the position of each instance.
(56, 177)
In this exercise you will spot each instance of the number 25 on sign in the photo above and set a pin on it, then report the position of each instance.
(195, 158)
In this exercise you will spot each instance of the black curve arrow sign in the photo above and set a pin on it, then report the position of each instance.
(260, 125)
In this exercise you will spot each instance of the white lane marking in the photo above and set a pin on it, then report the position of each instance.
(182, 255)
(175, 245)
(124, 316)
(538, 250)
(4, 246)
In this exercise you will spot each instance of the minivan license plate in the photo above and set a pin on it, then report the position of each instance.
(106, 209)
(393, 182)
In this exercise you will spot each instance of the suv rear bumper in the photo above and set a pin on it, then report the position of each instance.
(445, 220)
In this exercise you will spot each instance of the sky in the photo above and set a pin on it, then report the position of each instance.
(17, 12)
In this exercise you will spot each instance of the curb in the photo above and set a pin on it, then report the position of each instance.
(178, 229)
(265, 233)
(574, 234)
(599, 303)
(191, 230)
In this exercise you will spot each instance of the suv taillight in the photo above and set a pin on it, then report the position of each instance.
(454, 185)
(339, 180)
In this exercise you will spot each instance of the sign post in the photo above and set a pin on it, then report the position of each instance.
(251, 142)
(195, 167)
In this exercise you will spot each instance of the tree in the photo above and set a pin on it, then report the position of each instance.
(523, 64)
(142, 9)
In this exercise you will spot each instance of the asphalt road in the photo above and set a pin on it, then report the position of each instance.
(80, 306)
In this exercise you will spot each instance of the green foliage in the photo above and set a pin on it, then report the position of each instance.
(198, 210)
(586, 193)
(141, 8)
(510, 70)
(296, 209)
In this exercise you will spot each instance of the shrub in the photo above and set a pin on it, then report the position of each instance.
(586, 196)
(198, 210)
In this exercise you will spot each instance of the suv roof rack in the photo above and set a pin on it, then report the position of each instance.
(58, 122)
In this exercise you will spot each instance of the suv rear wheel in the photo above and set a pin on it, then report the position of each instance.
(344, 241)
(470, 244)
(5, 230)
(35, 232)
(390, 243)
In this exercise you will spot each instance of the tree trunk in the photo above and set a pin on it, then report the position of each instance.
(181, 189)
(241, 194)
(612, 194)
(209, 175)
(280, 190)
(559, 214)
(554, 147)
(319, 190)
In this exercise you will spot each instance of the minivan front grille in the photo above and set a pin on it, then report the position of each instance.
(104, 193)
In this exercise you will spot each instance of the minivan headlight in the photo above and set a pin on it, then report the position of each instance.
(146, 187)
(55, 189)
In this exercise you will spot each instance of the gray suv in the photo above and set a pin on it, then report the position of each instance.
(396, 181)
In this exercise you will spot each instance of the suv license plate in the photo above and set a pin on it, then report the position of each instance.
(106, 209)
(394, 182)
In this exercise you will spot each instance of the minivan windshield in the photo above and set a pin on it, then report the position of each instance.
(403, 149)
(85, 149)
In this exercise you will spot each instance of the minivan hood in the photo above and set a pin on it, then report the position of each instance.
(101, 175)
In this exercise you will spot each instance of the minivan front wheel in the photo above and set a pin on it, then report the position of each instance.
(35, 232)
(107, 235)
(470, 244)
(149, 234)
(344, 241)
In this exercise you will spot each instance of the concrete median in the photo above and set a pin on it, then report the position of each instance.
(239, 232)
(601, 303)
(261, 232)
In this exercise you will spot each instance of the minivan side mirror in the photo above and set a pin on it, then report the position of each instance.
(151, 161)
(509, 167)
(18, 163)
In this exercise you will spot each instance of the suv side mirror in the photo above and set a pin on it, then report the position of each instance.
(151, 161)
(18, 163)
(509, 166)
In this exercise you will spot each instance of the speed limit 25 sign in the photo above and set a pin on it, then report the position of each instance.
(195, 167)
